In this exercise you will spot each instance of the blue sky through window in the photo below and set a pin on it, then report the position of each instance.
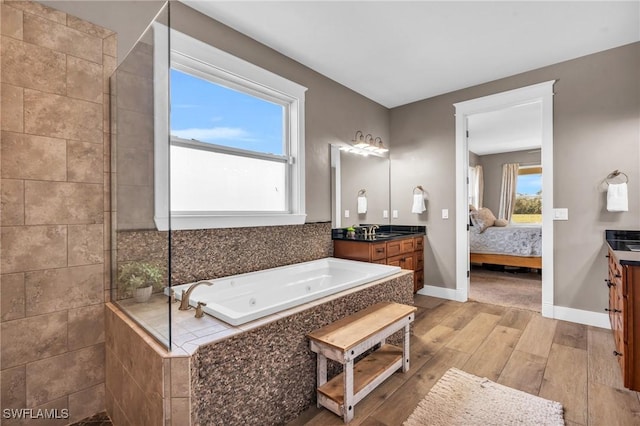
(212, 113)
(529, 184)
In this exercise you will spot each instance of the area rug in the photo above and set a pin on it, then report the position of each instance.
(523, 291)
(460, 398)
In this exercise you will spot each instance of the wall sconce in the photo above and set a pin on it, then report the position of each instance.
(365, 145)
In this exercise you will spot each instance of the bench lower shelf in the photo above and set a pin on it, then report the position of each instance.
(367, 374)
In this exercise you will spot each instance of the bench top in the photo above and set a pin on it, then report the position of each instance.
(348, 332)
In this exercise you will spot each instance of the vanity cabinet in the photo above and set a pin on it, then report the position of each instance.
(405, 252)
(624, 315)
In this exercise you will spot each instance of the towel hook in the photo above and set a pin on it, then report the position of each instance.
(615, 174)
(419, 188)
(362, 192)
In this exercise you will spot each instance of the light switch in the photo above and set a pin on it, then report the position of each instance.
(445, 213)
(395, 214)
(560, 214)
(346, 213)
(385, 214)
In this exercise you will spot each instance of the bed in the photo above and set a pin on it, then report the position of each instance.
(512, 245)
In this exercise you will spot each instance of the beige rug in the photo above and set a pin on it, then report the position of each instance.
(521, 290)
(463, 399)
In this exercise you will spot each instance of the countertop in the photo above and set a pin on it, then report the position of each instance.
(619, 240)
(383, 233)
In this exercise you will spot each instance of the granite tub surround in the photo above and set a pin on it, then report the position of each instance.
(54, 210)
(259, 373)
(267, 375)
(215, 253)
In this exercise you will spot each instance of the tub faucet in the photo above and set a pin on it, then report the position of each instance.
(199, 311)
(184, 300)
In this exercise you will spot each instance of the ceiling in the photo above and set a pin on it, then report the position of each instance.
(397, 52)
(517, 128)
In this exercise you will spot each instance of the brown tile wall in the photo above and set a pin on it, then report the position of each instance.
(137, 370)
(55, 204)
(132, 94)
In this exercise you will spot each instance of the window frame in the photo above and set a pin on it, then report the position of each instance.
(173, 49)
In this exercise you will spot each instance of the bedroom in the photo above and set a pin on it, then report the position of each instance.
(505, 238)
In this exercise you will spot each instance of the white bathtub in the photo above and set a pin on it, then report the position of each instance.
(242, 298)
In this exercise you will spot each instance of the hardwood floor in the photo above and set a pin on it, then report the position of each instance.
(557, 360)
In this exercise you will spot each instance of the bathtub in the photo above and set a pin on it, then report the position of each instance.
(246, 297)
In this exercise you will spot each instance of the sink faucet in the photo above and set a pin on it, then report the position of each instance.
(184, 300)
(372, 230)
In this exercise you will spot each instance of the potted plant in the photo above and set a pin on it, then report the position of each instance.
(139, 279)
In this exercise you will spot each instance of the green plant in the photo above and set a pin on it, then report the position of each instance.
(135, 275)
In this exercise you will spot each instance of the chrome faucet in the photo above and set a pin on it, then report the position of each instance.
(372, 230)
(184, 299)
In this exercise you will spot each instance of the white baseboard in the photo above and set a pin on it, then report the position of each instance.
(441, 292)
(595, 319)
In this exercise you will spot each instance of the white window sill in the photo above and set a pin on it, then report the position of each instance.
(191, 222)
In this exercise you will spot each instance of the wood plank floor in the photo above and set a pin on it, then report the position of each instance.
(557, 360)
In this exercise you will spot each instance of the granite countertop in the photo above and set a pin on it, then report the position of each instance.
(619, 241)
(383, 233)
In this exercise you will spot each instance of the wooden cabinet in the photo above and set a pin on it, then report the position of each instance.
(624, 315)
(407, 253)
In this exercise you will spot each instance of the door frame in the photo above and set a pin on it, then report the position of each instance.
(543, 93)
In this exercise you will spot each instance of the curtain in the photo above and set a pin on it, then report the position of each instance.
(476, 186)
(508, 190)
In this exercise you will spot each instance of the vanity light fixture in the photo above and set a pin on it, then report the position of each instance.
(380, 146)
(365, 145)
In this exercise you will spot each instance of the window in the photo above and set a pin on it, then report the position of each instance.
(471, 187)
(236, 141)
(528, 205)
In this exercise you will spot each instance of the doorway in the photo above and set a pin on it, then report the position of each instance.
(542, 93)
(505, 182)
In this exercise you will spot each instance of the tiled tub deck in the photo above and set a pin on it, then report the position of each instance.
(259, 373)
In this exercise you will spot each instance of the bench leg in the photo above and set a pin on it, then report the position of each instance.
(348, 408)
(321, 372)
(405, 349)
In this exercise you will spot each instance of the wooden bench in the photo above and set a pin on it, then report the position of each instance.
(346, 339)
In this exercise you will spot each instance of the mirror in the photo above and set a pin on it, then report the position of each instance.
(351, 173)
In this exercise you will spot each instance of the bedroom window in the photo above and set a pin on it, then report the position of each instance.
(235, 156)
(528, 205)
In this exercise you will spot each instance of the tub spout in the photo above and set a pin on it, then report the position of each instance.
(184, 300)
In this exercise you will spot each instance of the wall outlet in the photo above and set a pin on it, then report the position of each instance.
(385, 214)
(346, 213)
(395, 214)
(445, 213)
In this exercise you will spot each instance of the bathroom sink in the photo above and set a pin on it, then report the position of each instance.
(387, 234)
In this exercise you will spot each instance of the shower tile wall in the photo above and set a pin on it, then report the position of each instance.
(55, 203)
